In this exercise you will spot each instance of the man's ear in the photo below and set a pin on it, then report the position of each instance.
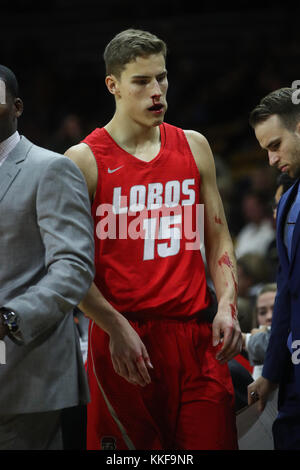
(297, 130)
(18, 103)
(112, 85)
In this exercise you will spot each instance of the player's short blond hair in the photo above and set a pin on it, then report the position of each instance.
(126, 46)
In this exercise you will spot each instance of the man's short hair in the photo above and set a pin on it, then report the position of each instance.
(126, 46)
(10, 81)
(278, 102)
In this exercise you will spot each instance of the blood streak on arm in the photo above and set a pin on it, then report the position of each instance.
(218, 220)
(226, 260)
(233, 312)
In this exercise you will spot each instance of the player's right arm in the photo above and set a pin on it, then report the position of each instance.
(128, 353)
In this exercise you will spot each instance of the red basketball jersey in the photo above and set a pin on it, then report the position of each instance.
(147, 251)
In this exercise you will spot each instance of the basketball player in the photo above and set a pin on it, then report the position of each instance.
(157, 369)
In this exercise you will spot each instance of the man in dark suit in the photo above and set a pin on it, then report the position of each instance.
(276, 122)
(46, 268)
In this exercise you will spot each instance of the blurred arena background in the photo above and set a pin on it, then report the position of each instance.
(221, 61)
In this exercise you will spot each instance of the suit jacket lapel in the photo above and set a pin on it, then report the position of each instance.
(296, 236)
(12, 165)
(282, 211)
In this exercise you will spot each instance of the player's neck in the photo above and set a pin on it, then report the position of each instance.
(132, 136)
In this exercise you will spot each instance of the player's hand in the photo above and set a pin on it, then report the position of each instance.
(259, 391)
(226, 329)
(129, 355)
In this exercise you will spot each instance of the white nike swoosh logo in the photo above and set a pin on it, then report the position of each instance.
(115, 169)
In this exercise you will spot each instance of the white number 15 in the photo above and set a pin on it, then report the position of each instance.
(165, 232)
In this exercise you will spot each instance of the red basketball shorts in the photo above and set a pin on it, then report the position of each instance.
(189, 403)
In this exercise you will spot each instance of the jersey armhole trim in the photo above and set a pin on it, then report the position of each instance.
(192, 156)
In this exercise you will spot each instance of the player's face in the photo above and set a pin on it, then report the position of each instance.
(283, 146)
(10, 110)
(264, 306)
(142, 90)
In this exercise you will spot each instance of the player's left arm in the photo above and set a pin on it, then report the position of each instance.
(219, 252)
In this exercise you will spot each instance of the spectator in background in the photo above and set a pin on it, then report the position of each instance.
(263, 180)
(225, 183)
(258, 232)
(256, 342)
(68, 134)
(252, 272)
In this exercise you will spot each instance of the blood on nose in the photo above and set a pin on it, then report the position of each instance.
(155, 97)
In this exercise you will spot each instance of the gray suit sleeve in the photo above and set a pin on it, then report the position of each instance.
(257, 346)
(66, 230)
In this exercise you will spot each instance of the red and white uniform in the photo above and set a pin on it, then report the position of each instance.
(149, 267)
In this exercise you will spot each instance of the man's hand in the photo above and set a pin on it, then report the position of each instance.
(226, 328)
(129, 355)
(259, 391)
